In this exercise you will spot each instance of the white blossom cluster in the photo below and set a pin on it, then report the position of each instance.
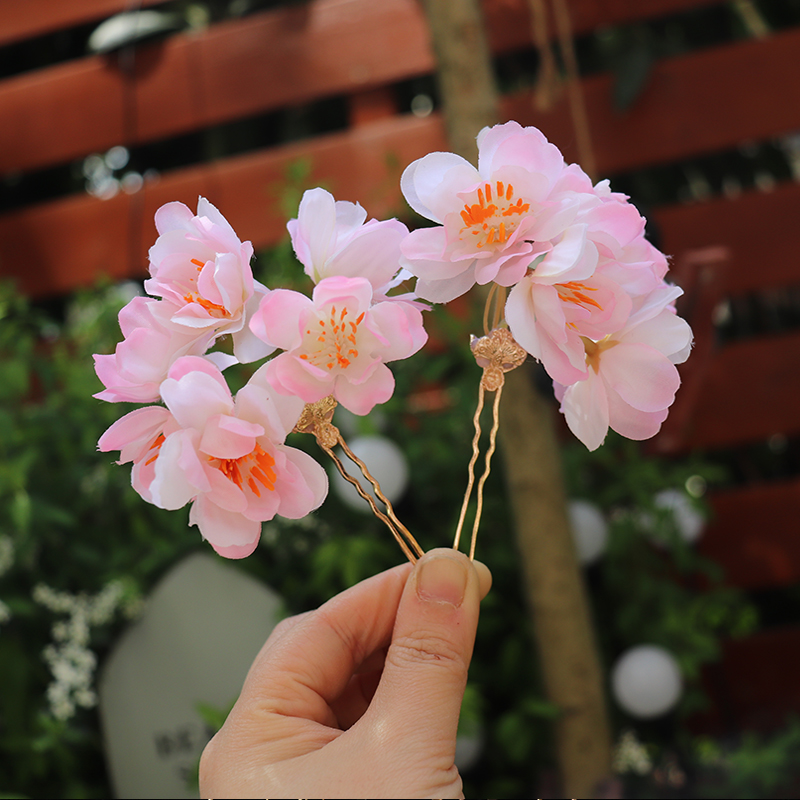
(72, 663)
(6, 562)
(630, 755)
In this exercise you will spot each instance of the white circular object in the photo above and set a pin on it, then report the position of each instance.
(386, 463)
(688, 520)
(646, 681)
(589, 529)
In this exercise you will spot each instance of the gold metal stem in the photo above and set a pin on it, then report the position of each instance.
(376, 486)
(487, 469)
(375, 510)
(487, 308)
(476, 421)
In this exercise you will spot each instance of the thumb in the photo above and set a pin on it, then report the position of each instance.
(419, 696)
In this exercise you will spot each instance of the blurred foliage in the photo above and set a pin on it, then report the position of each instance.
(757, 765)
(69, 521)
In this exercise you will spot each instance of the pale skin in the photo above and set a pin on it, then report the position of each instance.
(361, 697)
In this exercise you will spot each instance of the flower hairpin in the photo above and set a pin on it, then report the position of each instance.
(572, 281)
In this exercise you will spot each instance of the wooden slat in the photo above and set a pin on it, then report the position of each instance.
(699, 103)
(270, 60)
(759, 230)
(331, 47)
(747, 225)
(758, 241)
(58, 246)
(508, 22)
(754, 535)
(749, 392)
(24, 19)
(754, 686)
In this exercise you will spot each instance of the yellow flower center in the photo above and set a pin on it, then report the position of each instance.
(333, 342)
(594, 350)
(495, 215)
(256, 468)
(193, 296)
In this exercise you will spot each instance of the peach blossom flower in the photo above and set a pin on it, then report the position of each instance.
(631, 378)
(337, 342)
(225, 456)
(202, 271)
(489, 219)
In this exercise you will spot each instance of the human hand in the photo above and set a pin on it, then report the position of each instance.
(361, 697)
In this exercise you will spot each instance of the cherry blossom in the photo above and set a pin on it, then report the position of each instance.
(337, 342)
(490, 218)
(631, 378)
(201, 269)
(560, 300)
(225, 456)
(332, 237)
(134, 372)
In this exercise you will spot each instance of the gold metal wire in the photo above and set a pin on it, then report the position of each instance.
(487, 468)
(476, 421)
(385, 500)
(316, 419)
(496, 353)
(375, 510)
(487, 308)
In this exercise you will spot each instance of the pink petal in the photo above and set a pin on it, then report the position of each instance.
(279, 318)
(668, 333)
(179, 474)
(259, 402)
(196, 397)
(401, 325)
(529, 152)
(446, 290)
(229, 437)
(643, 377)
(223, 232)
(353, 293)
(632, 423)
(302, 484)
(585, 407)
(363, 397)
(431, 183)
(247, 347)
(489, 139)
(230, 534)
(134, 432)
(172, 216)
(292, 376)
(372, 253)
(223, 492)
(313, 235)
(573, 258)
(136, 314)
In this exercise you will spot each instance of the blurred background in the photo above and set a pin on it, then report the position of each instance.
(688, 546)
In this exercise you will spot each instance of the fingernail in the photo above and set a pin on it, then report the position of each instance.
(442, 580)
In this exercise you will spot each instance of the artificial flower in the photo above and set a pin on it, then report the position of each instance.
(562, 299)
(337, 342)
(333, 237)
(134, 372)
(490, 218)
(201, 270)
(225, 456)
(631, 378)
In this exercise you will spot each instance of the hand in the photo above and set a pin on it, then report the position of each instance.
(361, 697)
